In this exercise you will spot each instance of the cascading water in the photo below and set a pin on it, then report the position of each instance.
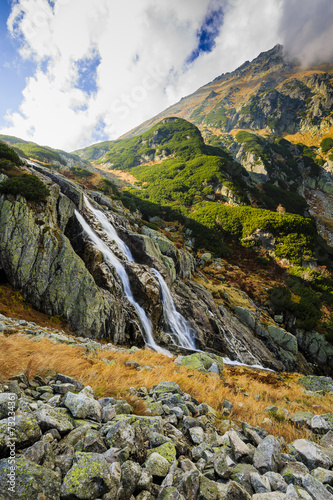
(180, 330)
(109, 229)
(112, 259)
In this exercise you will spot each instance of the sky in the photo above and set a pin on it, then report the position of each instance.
(76, 72)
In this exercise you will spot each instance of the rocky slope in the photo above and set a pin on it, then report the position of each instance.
(67, 444)
(46, 254)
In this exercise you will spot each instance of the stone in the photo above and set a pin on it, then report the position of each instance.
(88, 478)
(273, 495)
(82, 406)
(316, 383)
(241, 473)
(197, 435)
(239, 448)
(319, 424)
(276, 481)
(25, 432)
(294, 472)
(123, 408)
(302, 417)
(260, 484)
(108, 413)
(31, 481)
(170, 493)
(311, 454)
(156, 439)
(208, 490)
(93, 442)
(315, 488)
(165, 387)
(296, 492)
(8, 404)
(63, 388)
(190, 484)
(201, 361)
(221, 465)
(119, 435)
(323, 475)
(157, 465)
(130, 476)
(53, 418)
(233, 491)
(267, 456)
(166, 450)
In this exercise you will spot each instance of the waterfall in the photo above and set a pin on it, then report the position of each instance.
(179, 328)
(109, 229)
(112, 259)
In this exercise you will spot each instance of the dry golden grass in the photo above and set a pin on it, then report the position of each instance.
(250, 391)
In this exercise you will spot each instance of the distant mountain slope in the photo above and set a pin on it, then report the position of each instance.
(270, 94)
(43, 154)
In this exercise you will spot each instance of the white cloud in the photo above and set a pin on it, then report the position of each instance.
(142, 48)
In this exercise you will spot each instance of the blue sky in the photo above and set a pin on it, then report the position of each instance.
(73, 72)
(13, 70)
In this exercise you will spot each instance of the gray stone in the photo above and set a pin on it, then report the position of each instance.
(273, 495)
(294, 472)
(323, 475)
(157, 465)
(25, 432)
(31, 481)
(130, 476)
(93, 442)
(82, 406)
(297, 493)
(276, 481)
(63, 388)
(319, 424)
(260, 484)
(88, 478)
(310, 454)
(53, 418)
(315, 383)
(8, 404)
(315, 488)
(197, 435)
(65, 379)
(119, 435)
(239, 448)
(267, 456)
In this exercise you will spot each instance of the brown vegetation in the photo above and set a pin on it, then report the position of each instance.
(250, 391)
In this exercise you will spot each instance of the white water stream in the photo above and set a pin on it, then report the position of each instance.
(180, 330)
(112, 259)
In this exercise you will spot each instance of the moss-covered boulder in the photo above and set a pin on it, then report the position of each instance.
(88, 478)
(28, 481)
(201, 361)
(166, 450)
(25, 432)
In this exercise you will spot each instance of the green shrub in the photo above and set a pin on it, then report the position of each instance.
(326, 144)
(29, 186)
(7, 153)
(82, 173)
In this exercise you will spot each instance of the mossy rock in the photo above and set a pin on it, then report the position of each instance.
(166, 450)
(314, 383)
(31, 481)
(201, 361)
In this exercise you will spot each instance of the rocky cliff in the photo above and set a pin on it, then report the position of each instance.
(47, 255)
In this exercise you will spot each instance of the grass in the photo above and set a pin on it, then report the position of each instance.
(249, 391)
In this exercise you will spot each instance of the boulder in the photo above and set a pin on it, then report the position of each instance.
(82, 406)
(53, 418)
(88, 478)
(8, 404)
(157, 465)
(311, 454)
(27, 481)
(267, 456)
(25, 432)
